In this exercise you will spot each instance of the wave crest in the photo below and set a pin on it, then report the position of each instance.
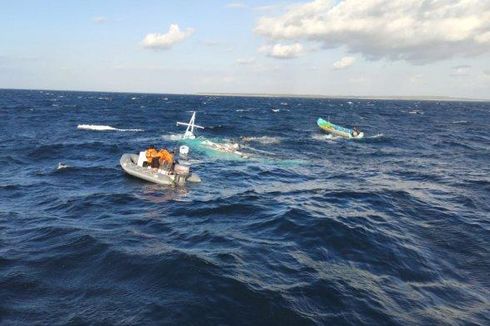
(103, 128)
(263, 140)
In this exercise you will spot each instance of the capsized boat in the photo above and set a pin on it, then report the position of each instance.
(132, 164)
(338, 130)
(190, 138)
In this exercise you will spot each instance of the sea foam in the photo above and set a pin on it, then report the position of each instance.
(103, 128)
(262, 140)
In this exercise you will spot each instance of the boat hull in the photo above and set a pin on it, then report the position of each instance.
(337, 130)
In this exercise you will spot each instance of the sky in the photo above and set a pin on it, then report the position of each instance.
(321, 47)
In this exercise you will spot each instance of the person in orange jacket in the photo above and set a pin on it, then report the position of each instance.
(152, 156)
(166, 158)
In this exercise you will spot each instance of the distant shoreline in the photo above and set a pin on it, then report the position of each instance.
(353, 97)
(265, 95)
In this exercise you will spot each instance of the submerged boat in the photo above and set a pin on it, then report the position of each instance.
(338, 130)
(227, 148)
(132, 164)
(190, 138)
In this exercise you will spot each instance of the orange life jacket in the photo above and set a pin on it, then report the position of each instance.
(165, 156)
(150, 154)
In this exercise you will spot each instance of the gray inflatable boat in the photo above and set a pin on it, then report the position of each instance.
(180, 176)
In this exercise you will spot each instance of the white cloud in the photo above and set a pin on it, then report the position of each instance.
(167, 40)
(100, 20)
(245, 61)
(418, 31)
(236, 5)
(344, 63)
(281, 51)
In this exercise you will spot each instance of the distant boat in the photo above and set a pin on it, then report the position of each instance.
(336, 130)
(416, 112)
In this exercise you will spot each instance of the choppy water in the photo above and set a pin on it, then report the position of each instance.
(392, 229)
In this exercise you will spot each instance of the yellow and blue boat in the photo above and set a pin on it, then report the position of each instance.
(336, 130)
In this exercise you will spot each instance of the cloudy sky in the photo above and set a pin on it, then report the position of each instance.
(327, 47)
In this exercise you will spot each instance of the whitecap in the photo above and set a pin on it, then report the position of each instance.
(416, 112)
(324, 137)
(263, 140)
(103, 128)
(172, 137)
(245, 110)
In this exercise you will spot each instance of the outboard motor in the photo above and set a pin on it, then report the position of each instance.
(181, 173)
(183, 152)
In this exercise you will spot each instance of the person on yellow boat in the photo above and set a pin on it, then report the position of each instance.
(355, 132)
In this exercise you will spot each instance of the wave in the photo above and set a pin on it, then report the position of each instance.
(215, 127)
(266, 140)
(220, 129)
(324, 137)
(225, 147)
(172, 137)
(103, 128)
(245, 110)
(416, 112)
(258, 151)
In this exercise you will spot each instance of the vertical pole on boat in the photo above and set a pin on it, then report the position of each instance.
(189, 132)
(190, 126)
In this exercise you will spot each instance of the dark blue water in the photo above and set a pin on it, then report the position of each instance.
(392, 229)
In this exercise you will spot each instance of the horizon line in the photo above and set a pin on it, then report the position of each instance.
(442, 98)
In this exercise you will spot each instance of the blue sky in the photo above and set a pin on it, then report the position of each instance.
(349, 47)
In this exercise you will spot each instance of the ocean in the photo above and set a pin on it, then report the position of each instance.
(304, 230)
